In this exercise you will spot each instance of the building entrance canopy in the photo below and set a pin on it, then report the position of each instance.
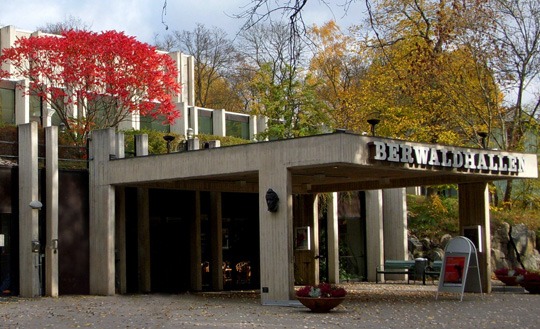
(323, 163)
(309, 165)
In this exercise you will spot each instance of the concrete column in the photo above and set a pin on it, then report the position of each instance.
(29, 261)
(252, 127)
(143, 240)
(220, 128)
(181, 124)
(120, 148)
(262, 124)
(51, 188)
(102, 233)
(276, 236)
(22, 103)
(374, 232)
(474, 210)
(395, 226)
(141, 145)
(120, 230)
(195, 245)
(216, 240)
(194, 120)
(333, 238)
(8, 37)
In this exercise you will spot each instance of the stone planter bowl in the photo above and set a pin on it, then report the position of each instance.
(320, 304)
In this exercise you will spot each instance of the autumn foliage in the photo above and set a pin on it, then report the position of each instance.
(107, 75)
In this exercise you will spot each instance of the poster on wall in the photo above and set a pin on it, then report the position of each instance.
(302, 238)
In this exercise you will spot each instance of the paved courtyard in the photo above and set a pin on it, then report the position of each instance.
(390, 305)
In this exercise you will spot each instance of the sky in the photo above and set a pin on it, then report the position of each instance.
(143, 18)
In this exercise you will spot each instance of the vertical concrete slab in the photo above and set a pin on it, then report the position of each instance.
(252, 127)
(216, 241)
(276, 236)
(102, 226)
(195, 246)
(181, 124)
(141, 145)
(333, 238)
(143, 239)
(51, 190)
(22, 102)
(218, 118)
(29, 261)
(262, 124)
(474, 210)
(395, 226)
(374, 232)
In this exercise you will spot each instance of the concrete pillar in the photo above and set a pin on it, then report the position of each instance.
(194, 120)
(374, 232)
(276, 236)
(252, 127)
(333, 238)
(181, 124)
(262, 124)
(195, 246)
(143, 240)
(102, 226)
(29, 258)
(51, 188)
(395, 226)
(120, 147)
(141, 145)
(22, 102)
(219, 122)
(216, 240)
(474, 210)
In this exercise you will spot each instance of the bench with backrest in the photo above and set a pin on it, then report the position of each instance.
(433, 270)
(395, 267)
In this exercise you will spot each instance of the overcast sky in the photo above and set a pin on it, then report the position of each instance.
(143, 18)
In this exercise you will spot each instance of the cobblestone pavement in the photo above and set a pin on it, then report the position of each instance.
(389, 305)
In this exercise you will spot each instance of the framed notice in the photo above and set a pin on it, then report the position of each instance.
(454, 270)
(301, 238)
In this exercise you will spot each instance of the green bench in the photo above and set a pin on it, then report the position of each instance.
(433, 270)
(395, 267)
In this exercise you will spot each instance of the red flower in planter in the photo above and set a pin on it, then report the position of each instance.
(321, 290)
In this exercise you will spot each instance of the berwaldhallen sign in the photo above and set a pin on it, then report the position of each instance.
(470, 160)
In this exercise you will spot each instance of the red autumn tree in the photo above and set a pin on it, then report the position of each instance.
(94, 80)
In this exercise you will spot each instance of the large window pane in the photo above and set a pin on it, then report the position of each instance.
(7, 106)
(237, 125)
(206, 124)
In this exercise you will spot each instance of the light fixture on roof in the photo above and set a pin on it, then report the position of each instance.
(373, 122)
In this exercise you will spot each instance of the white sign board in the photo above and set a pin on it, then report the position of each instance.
(460, 271)
(2, 243)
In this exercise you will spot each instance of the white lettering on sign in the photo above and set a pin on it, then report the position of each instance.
(441, 157)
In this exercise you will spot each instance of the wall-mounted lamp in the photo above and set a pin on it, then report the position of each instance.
(483, 136)
(272, 200)
(168, 139)
(373, 122)
(35, 204)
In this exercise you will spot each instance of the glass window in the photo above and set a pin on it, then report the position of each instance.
(7, 106)
(206, 123)
(237, 125)
(35, 108)
(148, 122)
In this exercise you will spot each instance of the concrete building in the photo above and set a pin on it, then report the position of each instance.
(297, 170)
